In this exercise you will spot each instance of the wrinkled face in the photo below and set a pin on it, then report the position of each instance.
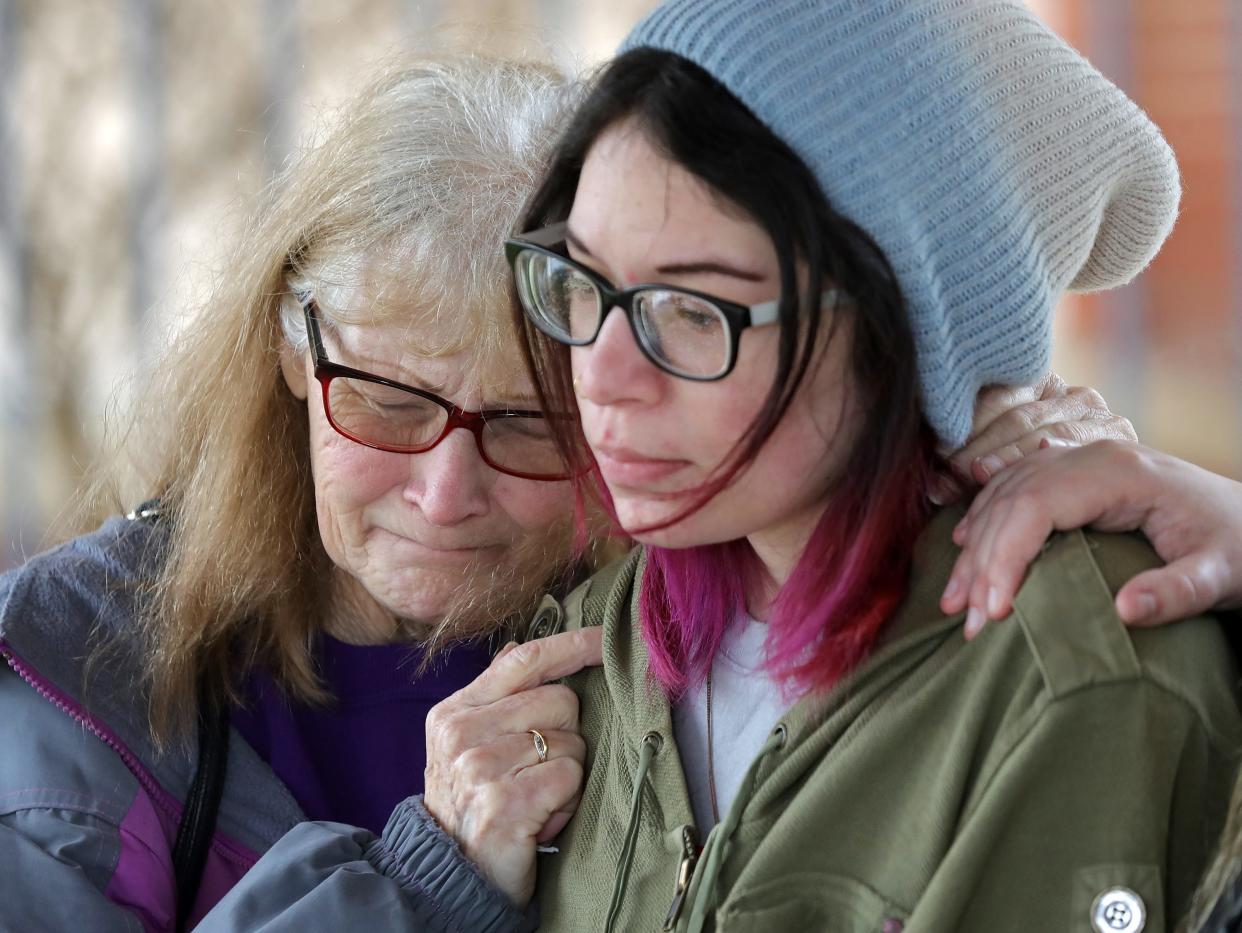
(640, 218)
(436, 535)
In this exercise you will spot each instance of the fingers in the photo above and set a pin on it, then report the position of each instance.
(982, 503)
(1057, 434)
(994, 401)
(1193, 519)
(530, 791)
(1016, 425)
(536, 662)
(1187, 587)
(1051, 386)
(460, 786)
(553, 785)
(993, 562)
(557, 822)
(508, 646)
(946, 489)
(452, 728)
(485, 782)
(1008, 523)
(506, 756)
(1012, 423)
(552, 792)
(503, 820)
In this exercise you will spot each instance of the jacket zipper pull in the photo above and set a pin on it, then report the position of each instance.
(685, 871)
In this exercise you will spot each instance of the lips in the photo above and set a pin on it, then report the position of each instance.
(628, 468)
(441, 550)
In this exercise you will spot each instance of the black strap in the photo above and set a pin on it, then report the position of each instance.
(198, 818)
(202, 804)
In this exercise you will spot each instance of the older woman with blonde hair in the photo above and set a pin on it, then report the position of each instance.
(326, 556)
(355, 497)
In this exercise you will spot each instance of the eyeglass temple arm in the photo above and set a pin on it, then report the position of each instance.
(546, 237)
(769, 311)
(309, 307)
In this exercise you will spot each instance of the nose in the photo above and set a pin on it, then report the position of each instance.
(613, 369)
(450, 482)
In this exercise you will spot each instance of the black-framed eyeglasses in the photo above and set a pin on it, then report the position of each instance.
(683, 332)
(387, 415)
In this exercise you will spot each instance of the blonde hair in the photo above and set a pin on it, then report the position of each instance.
(425, 175)
(1223, 872)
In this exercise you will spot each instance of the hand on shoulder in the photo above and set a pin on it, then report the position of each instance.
(505, 757)
(1012, 422)
(1192, 517)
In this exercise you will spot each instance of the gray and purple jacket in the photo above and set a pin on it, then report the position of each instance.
(89, 810)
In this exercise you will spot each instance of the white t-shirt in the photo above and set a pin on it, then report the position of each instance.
(746, 703)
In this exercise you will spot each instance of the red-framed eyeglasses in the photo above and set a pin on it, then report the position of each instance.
(388, 415)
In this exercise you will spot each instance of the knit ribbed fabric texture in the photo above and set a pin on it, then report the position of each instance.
(992, 163)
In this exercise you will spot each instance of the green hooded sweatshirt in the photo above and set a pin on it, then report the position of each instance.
(1059, 773)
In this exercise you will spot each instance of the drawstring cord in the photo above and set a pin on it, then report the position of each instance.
(718, 842)
(652, 742)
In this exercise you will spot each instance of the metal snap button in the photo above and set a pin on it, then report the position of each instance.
(546, 621)
(1118, 910)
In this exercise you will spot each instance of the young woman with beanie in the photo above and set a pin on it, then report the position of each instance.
(823, 225)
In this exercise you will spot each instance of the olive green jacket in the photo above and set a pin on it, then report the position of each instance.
(1058, 767)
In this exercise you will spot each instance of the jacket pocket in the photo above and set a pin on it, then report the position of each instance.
(809, 901)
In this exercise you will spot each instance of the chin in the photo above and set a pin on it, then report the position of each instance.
(687, 533)
(427, 605)
(454, 602)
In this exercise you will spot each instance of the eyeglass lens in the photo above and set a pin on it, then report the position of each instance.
(683, 333)
(395, 419)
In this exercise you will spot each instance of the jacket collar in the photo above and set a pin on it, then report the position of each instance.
(813, 723)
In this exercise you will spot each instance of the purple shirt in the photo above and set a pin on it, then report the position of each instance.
(356, 759)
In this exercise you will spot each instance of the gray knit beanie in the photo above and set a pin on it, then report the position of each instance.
(992, 163)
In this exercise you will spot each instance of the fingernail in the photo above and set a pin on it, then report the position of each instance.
(992, 465)
(951, 591)
(974, 622)
(1146, 607)
(994, 602)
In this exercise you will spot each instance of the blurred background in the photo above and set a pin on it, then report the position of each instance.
(134, 134)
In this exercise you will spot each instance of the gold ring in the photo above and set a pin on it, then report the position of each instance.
(541, 745)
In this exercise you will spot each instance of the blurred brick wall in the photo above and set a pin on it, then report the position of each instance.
(1166, 351)
(101, 153)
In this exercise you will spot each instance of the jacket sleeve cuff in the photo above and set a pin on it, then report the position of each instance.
(431, 868)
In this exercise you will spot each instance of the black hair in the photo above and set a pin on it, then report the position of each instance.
(698, 123)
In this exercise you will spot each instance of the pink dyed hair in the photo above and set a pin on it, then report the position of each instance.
(852, 575)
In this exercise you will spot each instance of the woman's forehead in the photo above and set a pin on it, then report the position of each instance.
(389, 315)
(412, 352)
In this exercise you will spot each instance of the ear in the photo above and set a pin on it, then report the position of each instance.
(295, 367)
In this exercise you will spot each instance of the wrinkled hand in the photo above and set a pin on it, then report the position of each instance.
(485, 785)
(1012, 422)
(1192, 517)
